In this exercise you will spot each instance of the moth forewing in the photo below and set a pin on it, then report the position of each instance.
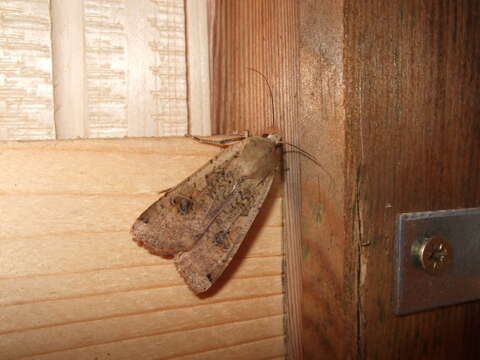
(174, 222)
(205, 262)
(204, 219)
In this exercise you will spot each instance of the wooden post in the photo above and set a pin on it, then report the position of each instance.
(330, 255)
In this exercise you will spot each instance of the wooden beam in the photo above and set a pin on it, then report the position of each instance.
(329, 253)
(74, 285)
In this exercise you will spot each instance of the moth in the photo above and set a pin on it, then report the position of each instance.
(203, 220)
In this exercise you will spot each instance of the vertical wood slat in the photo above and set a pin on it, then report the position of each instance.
(330, 258)
(26, 91)
(68, 47)
(262, 35)
(198, 69)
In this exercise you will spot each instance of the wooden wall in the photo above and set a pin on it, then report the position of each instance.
(26, 89)
(91, 68)
(384, 95)
(413, 83)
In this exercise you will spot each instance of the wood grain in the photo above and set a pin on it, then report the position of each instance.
(413, 80)
(262, 35)
(329, 256)
(387, 103)
(198, 67)
(68, 58)
(119, 68)
(74, 285)
(26, 88)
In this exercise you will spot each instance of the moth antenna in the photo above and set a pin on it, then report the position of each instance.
(269, 90)
(300, 150)
(310, 157)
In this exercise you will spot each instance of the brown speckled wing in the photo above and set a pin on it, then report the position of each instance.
(202, 265)
(204, 219)
(177, 220)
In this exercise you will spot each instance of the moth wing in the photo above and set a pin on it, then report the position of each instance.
(176, 221)
(205, 262)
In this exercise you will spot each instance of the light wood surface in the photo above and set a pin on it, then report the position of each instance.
(26, 90)
(198, 61)
(68, 56)
(74, 285)
(263, 35)
(119, 68)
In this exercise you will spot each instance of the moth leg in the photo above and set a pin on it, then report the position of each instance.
(223, 143)
(167, 190)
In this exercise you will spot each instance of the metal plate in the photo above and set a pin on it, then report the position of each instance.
(417, 289)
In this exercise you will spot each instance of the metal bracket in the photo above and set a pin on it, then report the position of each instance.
(437, 257)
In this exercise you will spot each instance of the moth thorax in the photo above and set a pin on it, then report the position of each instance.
(276, 138)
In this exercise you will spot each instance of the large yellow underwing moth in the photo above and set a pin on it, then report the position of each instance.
(203, 220)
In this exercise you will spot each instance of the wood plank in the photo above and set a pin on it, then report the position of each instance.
(262, 35)
(273, 346)
(68, 58)
(412, 70)
(185, 342)
(329, 255)
(74, 285)
(26, 88)
(198, 67)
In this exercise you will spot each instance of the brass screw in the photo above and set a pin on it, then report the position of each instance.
(433, 254)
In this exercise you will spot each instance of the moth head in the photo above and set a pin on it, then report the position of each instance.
(275, 138)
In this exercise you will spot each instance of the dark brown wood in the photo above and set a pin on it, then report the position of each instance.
(412, 73)
(263, 35)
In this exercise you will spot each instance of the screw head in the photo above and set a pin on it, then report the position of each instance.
(434, 254)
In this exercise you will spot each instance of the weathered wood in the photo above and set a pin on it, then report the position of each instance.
(262, 35)
(74, 285)
(413, 80)
(329, 255)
